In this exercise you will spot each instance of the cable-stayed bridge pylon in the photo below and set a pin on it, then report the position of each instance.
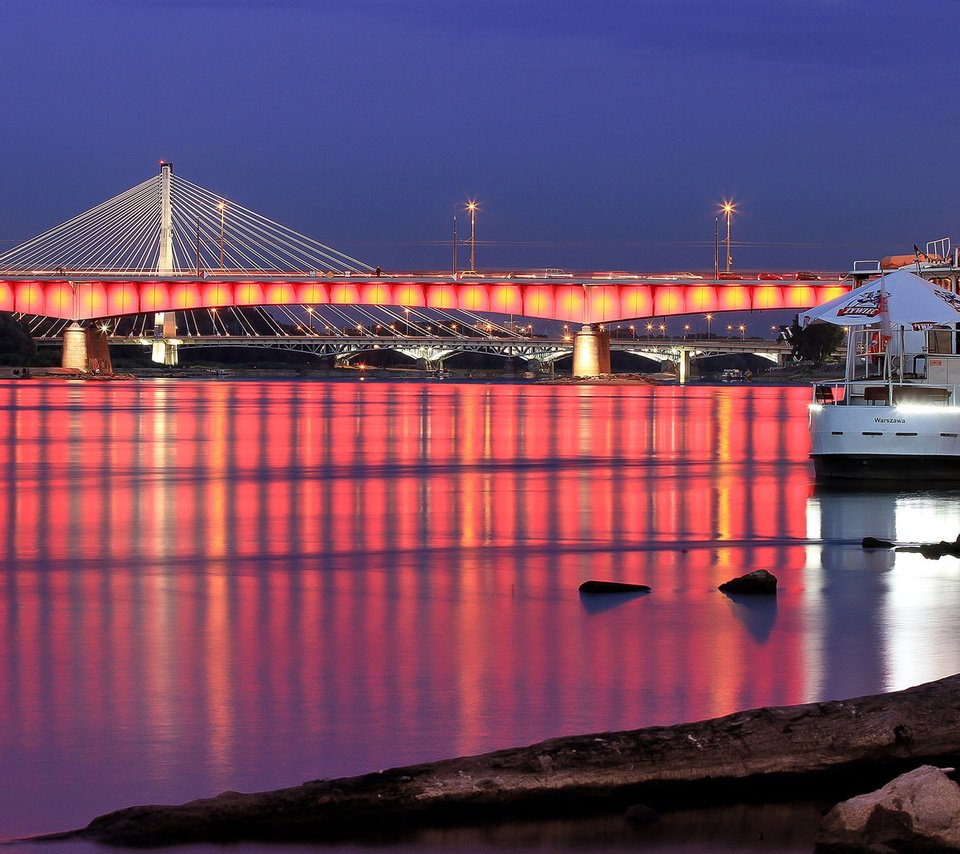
(169, 226)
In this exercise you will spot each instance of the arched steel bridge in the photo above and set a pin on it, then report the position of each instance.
(434, 350)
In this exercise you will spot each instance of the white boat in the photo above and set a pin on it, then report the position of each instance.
(896, 413)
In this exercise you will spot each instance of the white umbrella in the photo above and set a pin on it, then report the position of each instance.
(912, 302)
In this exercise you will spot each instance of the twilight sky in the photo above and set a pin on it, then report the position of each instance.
(595, 134)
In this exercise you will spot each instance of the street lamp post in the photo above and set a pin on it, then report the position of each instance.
(455, 247)
(728, 211)
(716, 247)
(472, 207)
(310, 318)
(709, 319)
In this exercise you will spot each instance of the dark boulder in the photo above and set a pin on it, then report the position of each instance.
(935, 551)
(759, 582)
(612, 587)
(874, 543)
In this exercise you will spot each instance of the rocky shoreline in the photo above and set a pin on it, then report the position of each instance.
(815, 752)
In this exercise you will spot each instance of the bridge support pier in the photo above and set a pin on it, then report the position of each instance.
(164, 351)
(683, 365)
(98, 352)
(86, 350)
(74, 348)
(591, 352)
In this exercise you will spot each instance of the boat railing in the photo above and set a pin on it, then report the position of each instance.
(939, 248)
(879, 393)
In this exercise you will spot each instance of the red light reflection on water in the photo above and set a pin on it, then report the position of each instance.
(369, 574)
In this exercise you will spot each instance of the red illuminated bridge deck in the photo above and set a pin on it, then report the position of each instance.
(569, 299)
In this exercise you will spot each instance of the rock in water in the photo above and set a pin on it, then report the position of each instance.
(758, 582)
(874, 543)
(919, 810)
(935, 551)
(612, 587)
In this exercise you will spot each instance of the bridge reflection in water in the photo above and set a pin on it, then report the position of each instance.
(212, 585)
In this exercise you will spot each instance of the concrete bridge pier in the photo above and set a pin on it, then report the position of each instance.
(98, 351)
(591, 352)
(74, 348)
(165, 328)
(86, 350)
(683, 365)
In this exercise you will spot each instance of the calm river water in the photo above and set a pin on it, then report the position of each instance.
(211, 585)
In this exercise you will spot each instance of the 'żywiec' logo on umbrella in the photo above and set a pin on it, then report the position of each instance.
(865, 305)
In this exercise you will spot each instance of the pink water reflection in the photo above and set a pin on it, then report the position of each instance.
(211, 585)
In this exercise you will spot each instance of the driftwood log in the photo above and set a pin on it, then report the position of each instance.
(817, 750)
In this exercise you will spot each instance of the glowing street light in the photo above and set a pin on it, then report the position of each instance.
(743, 331)
(310, 318)
(728, 209)
(709, 319)
(663, 330)
(472, 207)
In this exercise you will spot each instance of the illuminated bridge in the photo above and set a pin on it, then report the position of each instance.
(168, 246)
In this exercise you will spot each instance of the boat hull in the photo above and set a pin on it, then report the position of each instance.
(909, 469)
(903, 443)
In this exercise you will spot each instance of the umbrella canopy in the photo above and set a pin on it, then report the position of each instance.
(911, 302)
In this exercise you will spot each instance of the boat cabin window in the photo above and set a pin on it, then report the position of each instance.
(869, 357)
(941, 341)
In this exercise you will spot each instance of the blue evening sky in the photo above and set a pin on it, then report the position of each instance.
(596, 135)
